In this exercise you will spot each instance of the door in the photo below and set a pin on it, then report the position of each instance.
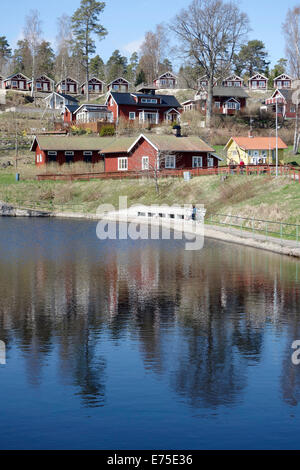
(72, 88)
(45, 86)
(21, 85)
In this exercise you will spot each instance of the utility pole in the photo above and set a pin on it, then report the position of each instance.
(276, 136)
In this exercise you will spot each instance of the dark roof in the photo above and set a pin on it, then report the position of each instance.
(236, 92)
(67, 97)
(72, 107)
(128, 99)
(287, 94)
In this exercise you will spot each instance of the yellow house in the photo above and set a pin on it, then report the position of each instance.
(255, 150)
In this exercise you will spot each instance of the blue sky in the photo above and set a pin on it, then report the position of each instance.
(128, 21)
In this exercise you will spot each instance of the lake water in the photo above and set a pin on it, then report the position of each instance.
(143, 345)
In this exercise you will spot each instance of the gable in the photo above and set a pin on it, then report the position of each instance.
(283, 76)
(258, 76)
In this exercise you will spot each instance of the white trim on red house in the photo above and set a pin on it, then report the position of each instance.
(138, 139)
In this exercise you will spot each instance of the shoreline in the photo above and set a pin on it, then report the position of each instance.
(229, 235)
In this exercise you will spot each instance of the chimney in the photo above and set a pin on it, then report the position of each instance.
(250, 135)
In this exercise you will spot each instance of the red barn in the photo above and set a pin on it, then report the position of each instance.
(233, 80)
(69, 85)
(120, 85)
(226, 100)
(96, 86)
(283, 81)
(42, 84)
(145, 107)
(258, 82)
(166, 80)
(17, 81)
(286, 109)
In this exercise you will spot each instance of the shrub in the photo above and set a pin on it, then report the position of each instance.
(106, 131)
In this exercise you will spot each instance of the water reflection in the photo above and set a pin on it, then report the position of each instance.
(199, 319)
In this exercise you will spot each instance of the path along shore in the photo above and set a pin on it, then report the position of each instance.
(231, 235)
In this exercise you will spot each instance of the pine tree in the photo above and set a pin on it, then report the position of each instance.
(85, 24)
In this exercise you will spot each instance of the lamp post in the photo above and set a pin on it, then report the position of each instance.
(276, 136)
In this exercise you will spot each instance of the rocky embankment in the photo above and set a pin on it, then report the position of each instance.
(6, 210)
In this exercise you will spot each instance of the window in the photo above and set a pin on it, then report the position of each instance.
(38, 85)
(145, 163)
(148, 100)
(39, 158)
(52, 156)
(122, 163)
(87, 156)
(69, 153)
(217, 104)
(197, 162)
(286, 84)
(210, 162)
(170, 161)
(69, 156)
(232, 105)
(262, 84)
(132, 116)
(293, 109)
(14, 83)
(237, 84)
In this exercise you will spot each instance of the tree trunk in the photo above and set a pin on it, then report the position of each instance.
(209, 101)
(33, 75)
(296, 134)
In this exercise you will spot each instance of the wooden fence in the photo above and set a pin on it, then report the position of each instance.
(257, 170)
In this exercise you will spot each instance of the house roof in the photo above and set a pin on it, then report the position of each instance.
(171, 143)
(93, 78)
(168, 74)
(283, 76)
(42, 76)
(257, 143)
(62, 95)
(233, 77)
(93, 107)
(128, 100)
(15, 74)
(70, 143)
(71, 107)
(68, 79)
(230, 92)
(258, 76)
(117, 79)
(164, 143)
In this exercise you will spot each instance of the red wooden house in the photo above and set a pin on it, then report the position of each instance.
(286, 108)
(144, 107)
(141, 153)
(233, 80)
(258, 82)
(17, 81)
(69, 113)
(96, 86)
(166, 80)
(67, 86)
(226, 100)
(203, 81)
(120, 85)
(43, 84)
(283, 81)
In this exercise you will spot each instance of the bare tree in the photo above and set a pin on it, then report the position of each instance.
(291, 31)
(153, 51)
(64, 44)
(210, 32)
(32, 34)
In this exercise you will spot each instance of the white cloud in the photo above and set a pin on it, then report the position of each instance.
(133, 46)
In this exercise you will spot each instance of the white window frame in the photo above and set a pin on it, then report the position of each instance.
(217, 104)
(52, 153)
(261, 84)
(196, 160)
(88, 153)
(210, 161)
(132, 115)
(69, 153)
(14, 83)
(123, 164)
(145, 162)
(170, 162)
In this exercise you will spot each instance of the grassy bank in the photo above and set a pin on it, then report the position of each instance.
(254, 196)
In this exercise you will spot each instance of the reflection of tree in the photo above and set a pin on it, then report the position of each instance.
(198, 317)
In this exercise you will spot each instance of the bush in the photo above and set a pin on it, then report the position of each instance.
(77, 130)
(107, 131)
